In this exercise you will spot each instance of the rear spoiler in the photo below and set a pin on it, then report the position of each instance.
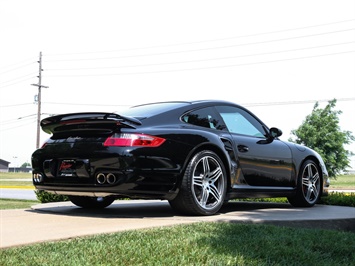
(87, 121)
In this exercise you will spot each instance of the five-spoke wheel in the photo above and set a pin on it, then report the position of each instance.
(309, 186)
(203, 186)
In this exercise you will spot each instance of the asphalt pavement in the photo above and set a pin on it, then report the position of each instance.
(14, 193)
(58, 221)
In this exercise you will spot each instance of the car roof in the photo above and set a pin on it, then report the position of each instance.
(151, 109)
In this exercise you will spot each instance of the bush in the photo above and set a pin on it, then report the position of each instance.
(45, 197)
(334, 198)
(275, 200)
(339, 199)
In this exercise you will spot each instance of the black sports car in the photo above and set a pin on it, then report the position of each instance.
(197, 155)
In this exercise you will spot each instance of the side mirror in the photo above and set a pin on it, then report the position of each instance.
(275, 132)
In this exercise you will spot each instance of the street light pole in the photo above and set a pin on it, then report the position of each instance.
(39, 85)
(14, 157)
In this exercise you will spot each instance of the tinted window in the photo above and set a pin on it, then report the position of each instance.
(205, 117)
(241, 122)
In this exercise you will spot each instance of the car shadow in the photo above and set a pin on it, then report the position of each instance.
(233, 206)
(146, 209)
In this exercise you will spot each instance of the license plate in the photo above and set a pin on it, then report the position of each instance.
(67, 168)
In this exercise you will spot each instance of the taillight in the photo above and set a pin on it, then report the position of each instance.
(131, 140)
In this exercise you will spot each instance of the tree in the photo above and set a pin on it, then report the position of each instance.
(24, 165)
(321, 132)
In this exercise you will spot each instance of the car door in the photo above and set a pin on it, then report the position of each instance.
(263, 161)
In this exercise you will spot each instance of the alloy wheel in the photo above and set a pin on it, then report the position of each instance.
(208, 182)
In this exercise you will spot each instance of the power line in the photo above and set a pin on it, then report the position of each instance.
(16, 68)
(21, 119)
(18, 78)
(203, 60)
(32, 59)
(18, 120)
(14, 83)
(15, 105)
(206, 41)
(296, 102)
(6, 129)
(249, 104)
(207, 67)
(85, 104)
(203, 49)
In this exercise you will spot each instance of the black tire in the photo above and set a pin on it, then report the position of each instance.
(204, 185)
(309, 186)
(91, 202)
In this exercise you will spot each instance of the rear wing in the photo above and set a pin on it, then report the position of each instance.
(87, 122)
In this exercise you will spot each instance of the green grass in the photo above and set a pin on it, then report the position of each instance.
(195, 244)
(10, 175)
(343, 182)
(7, 204)
(16, 180)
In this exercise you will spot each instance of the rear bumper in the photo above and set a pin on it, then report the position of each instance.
(119, 172)
(90, 192)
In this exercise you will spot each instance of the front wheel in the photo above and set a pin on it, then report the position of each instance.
(203, 186)
(91, 202)
(309, 186)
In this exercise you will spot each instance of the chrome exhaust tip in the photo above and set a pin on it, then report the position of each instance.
(37, 178)
(101, 178)
(111, 178)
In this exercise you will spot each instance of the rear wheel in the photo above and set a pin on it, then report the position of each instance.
(309, 186)
(203, 187)
(91, 202)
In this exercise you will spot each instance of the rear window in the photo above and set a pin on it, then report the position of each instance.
(147, 110)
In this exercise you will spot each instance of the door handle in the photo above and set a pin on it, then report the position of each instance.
(243, 148)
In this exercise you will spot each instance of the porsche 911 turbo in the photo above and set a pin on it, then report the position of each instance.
(197, 155)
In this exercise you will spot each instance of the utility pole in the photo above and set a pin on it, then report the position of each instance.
(40, 86)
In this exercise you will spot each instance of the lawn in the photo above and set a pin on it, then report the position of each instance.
(195, 244)
(16, 180)
(343, 182)
(11, 175)
(8, 204)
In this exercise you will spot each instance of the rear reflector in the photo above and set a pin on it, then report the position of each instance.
(132, 140)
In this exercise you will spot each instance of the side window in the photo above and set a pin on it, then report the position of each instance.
(205, 117)
(241, 122)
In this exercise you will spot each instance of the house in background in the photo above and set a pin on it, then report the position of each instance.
(4, 166)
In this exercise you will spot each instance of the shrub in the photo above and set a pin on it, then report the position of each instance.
(334, 198)
(275, 200)
(339, 199)
(45, 197)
